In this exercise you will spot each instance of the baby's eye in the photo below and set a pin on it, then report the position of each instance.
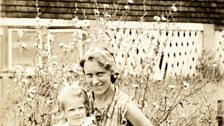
(81, 107)
(70, 110)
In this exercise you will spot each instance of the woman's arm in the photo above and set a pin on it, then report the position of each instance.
(136, 116)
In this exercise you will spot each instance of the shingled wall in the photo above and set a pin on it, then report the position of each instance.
(194, 11)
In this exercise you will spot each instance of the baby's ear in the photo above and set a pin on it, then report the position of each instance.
(60, 115)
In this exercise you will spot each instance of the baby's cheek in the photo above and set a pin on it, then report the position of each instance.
(83, 112)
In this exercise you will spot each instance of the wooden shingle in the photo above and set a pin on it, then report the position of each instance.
(194, 11)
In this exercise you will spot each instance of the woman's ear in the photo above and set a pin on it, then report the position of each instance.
(113, 78)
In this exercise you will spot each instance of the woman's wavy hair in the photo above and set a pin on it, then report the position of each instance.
(104, 57)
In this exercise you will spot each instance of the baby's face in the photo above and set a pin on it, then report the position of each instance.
(75, 111)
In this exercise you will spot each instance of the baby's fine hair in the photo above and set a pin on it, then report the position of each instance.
(73, 91)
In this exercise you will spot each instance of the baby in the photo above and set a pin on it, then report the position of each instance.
(74, 104)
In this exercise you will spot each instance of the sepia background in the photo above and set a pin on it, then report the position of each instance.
(170, 55)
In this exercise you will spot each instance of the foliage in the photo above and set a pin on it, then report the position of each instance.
(177, 101)
(33, 94)
(209, 67)
(172, 102)
(168, 102)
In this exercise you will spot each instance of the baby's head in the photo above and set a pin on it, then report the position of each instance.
(74, 104)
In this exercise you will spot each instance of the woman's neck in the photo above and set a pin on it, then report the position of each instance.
(106, 97)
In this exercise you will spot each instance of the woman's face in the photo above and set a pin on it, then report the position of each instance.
(75, 111)
(97, 77)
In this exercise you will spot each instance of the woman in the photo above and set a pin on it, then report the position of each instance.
(111, 106)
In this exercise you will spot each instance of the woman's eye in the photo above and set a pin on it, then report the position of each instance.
(89, 75)
(100, 74)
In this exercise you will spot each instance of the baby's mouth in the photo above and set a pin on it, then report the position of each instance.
(78, 117)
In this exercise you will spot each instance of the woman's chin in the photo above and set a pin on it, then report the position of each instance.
(98, 92)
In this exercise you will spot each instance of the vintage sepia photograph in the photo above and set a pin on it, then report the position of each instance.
(111, 62)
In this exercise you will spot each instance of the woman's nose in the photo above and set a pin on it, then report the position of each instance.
(95, 81)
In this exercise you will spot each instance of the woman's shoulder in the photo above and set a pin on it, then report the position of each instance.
(121, 99)
(122, 96)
